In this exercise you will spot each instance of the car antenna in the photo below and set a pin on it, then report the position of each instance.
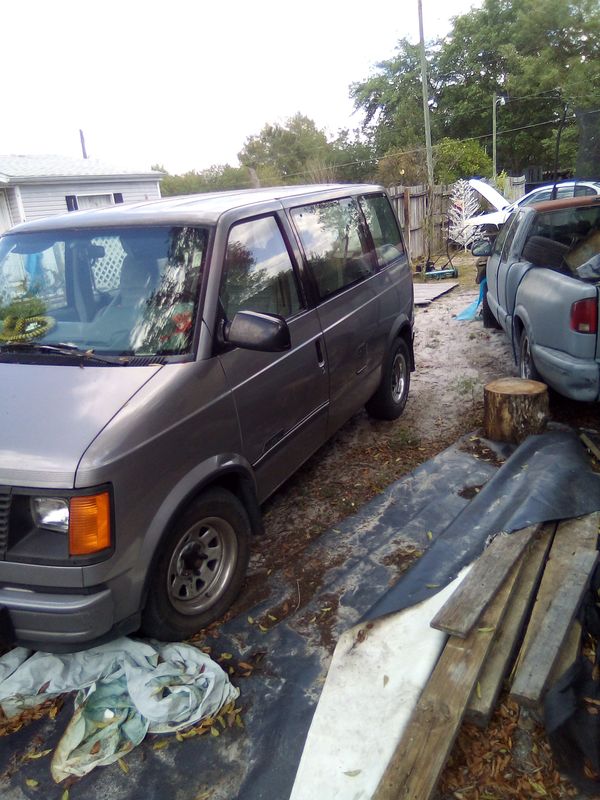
(556, 152)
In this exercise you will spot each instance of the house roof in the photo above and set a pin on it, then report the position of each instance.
(16, 169)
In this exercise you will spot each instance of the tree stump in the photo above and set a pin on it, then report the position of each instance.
(514, 408)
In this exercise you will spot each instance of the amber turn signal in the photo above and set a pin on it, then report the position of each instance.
(89, 524)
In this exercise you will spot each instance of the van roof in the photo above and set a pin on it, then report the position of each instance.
(188, 209)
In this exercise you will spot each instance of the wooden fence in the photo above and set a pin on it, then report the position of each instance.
(411, 206)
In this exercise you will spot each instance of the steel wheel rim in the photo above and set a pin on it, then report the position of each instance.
(201, 565)
(398, 377)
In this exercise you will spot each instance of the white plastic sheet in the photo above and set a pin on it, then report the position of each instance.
(126, 688)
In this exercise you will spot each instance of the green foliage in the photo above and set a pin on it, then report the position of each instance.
(289, 150)
(538, 54)
(454, 159)
(216, 178)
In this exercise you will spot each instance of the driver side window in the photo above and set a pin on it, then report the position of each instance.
(258, 273)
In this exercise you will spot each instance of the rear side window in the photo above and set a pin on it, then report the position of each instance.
(384, 228)
(333, 243)
(259, 275)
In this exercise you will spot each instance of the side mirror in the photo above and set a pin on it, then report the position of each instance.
(254, 330)
(482, 248)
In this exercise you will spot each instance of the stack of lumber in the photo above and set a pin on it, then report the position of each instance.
(516, 608)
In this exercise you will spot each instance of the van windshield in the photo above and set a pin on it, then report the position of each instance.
(119, 291)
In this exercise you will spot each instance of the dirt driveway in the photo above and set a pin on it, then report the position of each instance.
(454, 361)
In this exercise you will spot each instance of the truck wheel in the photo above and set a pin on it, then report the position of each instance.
(526, 366)
(489, 320)
(200, 568)
(390, 398)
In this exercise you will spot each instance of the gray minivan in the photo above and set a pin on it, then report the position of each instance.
(165, 367)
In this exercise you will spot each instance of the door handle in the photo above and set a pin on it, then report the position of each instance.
(320, 356)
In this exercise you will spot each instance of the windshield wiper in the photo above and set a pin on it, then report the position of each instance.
(63, 349)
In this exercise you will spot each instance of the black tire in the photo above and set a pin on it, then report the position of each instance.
(390, 398)
(200, 567)
(489, 320)
(527, 368)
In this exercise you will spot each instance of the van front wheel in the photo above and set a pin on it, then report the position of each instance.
(390, 398)
(200, 568)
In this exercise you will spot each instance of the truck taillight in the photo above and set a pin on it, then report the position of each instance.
(584, 316)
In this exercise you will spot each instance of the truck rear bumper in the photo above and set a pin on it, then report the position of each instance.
(577, 378)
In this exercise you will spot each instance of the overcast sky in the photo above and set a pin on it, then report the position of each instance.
(182, 82)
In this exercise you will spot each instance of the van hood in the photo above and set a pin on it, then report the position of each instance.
(50, 414)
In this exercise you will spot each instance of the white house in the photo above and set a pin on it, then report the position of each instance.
(40, 186)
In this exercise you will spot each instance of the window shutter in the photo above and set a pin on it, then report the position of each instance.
(118, 197)
(71, 200)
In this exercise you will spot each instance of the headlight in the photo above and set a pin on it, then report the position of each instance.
(51, 513)
(85, 518)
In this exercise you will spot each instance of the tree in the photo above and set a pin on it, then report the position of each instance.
(538, 54)
(391, 100)
(287, 151)
(214, 179)
(454, 159)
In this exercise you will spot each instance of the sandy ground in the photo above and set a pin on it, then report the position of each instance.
(454, 361)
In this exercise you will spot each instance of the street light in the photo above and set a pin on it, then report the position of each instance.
(495, 101)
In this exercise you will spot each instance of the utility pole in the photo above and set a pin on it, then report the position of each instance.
(494, 168)
(427, 129)
(82, 140)
(495, 101)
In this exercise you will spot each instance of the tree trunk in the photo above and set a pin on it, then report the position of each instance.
(514, 408)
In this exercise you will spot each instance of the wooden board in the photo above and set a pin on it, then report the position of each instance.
(426, 292)
(419, 758)
(571, 560)
(483, 701)
(569, 652)
(571, 535)
(533, 674)
(591, 445)
(459, 615)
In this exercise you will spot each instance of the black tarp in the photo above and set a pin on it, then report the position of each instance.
(548, 477)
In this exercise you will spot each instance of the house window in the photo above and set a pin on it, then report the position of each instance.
(81, 202)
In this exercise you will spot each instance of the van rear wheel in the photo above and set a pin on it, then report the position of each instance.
(390, 398)
(200, 568)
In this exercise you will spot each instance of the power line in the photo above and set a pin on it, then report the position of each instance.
(397, 153)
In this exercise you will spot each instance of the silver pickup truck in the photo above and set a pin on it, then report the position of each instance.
(543, 274)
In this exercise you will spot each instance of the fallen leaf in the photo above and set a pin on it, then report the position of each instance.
(160, 745)
(65, 795)
(214, 732)
(226, 656)
(272, 618)
(41, 754)
(386, 680)
(352, 773)
(245, 665)
(43, 688)
(95, 748)
(251, 620)
(486, 630)
(429, 535)
(478, 690)
(123, 766)
(432, 585)
(32, 783)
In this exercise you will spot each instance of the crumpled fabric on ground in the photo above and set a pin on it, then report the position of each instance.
(126, 689)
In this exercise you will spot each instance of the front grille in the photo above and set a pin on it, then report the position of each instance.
(4, 515)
